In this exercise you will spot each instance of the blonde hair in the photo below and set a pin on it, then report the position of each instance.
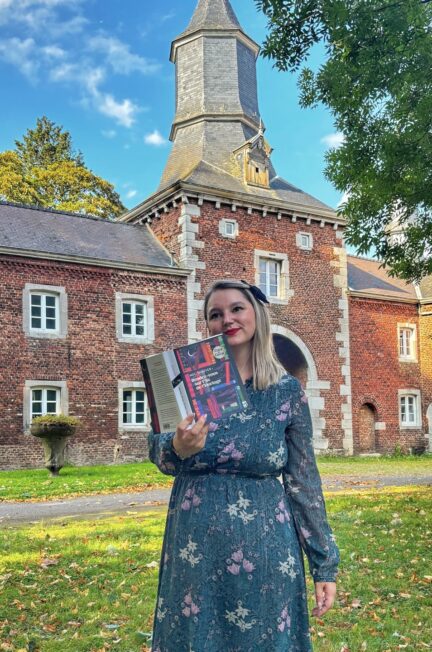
(267, 370)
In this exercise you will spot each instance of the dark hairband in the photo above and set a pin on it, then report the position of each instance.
(256, 292)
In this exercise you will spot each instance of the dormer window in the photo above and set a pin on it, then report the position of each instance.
(254, 155)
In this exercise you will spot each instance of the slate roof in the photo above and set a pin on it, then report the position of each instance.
(212, 14)
(68, 234)
(210, 176)
(366, 275)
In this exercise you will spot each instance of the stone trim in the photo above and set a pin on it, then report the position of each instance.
(340, 280)
(189, 241)
(299, 240)
(62, 315)
(286, 292)
(43, 384)
(122, 427)
(150, 318)
(222, 228)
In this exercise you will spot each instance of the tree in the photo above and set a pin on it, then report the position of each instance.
(377, 82)
(45, 171)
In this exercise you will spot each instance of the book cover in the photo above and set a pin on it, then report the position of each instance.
(199, 378)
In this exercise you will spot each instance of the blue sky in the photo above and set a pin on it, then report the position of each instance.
(101, 69)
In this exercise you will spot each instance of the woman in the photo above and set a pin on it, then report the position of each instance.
(232, 576)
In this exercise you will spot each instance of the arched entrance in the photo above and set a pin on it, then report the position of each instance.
(367, 433)
(292, 358)
(429, 420)
(298, 361)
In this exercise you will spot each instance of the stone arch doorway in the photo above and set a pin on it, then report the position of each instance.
(292, 358)
(367, 432)
(429, 420)
(298, 360)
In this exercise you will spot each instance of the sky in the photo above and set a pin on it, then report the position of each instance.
(101, 69)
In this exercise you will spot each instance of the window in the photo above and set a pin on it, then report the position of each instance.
(409, 409)
(44, 311)
(407, 342)
(304, 241)
(134, 318)
(133, 409)
(44, 397)
(228, 228)
(271, 275)
(44, 401)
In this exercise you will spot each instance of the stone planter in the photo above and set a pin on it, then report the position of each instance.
(54, 438)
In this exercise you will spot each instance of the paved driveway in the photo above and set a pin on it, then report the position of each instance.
(100, 506)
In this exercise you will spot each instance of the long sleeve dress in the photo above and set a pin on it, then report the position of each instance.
(232, 575)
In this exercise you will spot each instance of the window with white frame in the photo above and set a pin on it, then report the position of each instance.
(44, 397)
(304, 241)
(272, 276)
(133, 408)
(228, 228)
(407, 342)
(45, 400)
(409, 409)
(134, 318)
(44, 311)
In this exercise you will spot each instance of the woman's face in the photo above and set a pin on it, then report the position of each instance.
(229, 312)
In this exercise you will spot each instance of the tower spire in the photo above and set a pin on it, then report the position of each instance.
(212, 14)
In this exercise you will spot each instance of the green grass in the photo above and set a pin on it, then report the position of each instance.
(79, 481)
(87, 586)
(86, 480)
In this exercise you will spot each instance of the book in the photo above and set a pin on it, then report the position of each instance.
(199, 378)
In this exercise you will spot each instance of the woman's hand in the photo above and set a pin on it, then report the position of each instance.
(325, 594)
(189, 441)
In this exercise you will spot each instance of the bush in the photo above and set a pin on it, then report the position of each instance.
(60, 419)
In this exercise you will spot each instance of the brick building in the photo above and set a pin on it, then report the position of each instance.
(83, 299)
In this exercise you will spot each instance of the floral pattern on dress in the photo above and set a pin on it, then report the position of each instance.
(232, 576)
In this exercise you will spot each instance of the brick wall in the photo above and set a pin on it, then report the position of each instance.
(89, 359)
(377, 373)
(313, 312)
(426, 368)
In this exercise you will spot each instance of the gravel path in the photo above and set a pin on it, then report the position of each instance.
(101, 506)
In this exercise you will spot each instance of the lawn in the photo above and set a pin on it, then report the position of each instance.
(89, 586)
(86, 480)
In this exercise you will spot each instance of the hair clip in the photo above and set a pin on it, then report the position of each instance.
(256, 292)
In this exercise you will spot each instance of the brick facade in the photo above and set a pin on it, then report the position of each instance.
(89, 359)
(378, 375)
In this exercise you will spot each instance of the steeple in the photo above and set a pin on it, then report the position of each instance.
(216, 90)
(213, 14)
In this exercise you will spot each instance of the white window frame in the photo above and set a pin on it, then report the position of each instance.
(223, 226)
(299, 240)
(134, 386)
(61, 311)
(30, 385)
(284, 291)
(149, 336)
(412, 356)
(416, 395)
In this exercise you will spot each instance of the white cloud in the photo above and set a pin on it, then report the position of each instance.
(123, 112)
(41, 15)
(21, 54)
(119, 56)
(53, 52)
(109, 133)
(333, 140)
(131, 194)
(155, 138)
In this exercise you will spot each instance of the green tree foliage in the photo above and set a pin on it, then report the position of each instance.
(377, 82)
(45, 171)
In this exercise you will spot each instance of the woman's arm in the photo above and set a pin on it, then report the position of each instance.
(161, 453)
(169, 450)
(303, 489)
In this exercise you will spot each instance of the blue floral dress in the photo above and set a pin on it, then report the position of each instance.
(232, 576)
